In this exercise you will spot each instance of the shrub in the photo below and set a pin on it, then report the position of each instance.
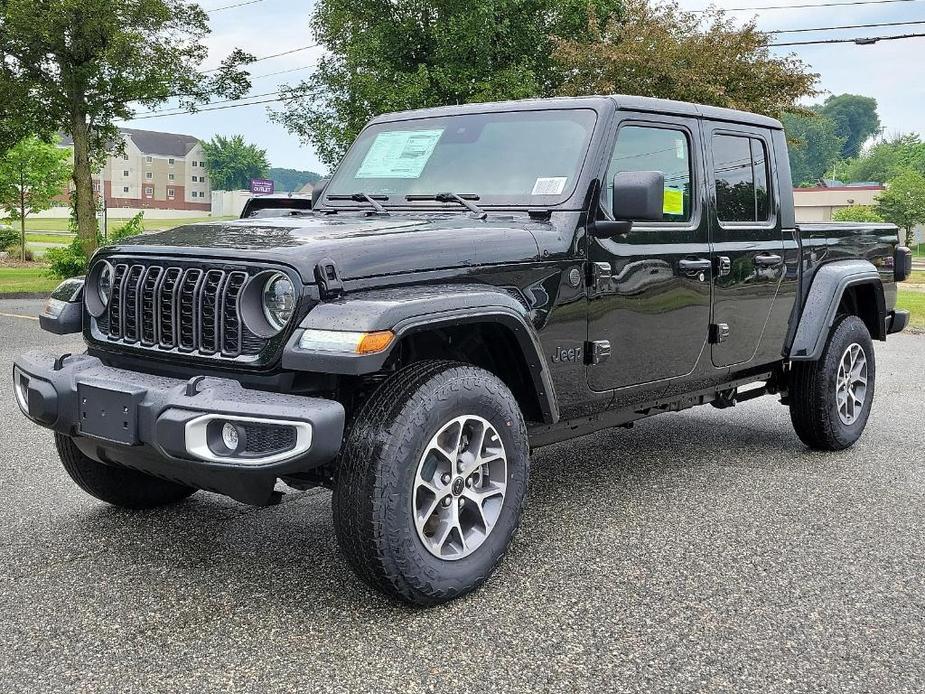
(71, 261)
(856, 213)
(9, 238)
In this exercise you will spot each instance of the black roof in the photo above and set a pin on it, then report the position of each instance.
(622, 101)
(153, 142)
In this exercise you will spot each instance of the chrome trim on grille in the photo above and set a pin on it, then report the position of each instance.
(192, 310)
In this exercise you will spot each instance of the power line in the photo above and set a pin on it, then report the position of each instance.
(847, 26)
(231, 7)
(272, 55)
(214, 108)
(808, 5)
(860, 41)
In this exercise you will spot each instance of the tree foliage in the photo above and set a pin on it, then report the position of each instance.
(78, 66)
(292, 180)
(814, 146)
(856, 213)
(658, 49)
(855, 118)
(32, 173)
(886, 160)
(391, 55)
(903, 202)
(72, 260)
(232, 162)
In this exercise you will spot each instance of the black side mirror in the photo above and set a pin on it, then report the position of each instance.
(318, 190)
(639, 196)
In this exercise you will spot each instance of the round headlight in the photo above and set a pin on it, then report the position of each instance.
(104, 283)
(278, 300)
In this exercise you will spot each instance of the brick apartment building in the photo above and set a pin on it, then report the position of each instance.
(158, 171)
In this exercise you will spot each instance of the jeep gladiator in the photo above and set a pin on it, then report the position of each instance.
(472, 283)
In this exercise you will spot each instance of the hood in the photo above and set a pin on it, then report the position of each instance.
(361, 246)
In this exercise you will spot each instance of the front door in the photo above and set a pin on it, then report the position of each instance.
(748, 245)
(649, 290)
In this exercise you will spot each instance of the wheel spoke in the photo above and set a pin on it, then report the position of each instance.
(464, 463)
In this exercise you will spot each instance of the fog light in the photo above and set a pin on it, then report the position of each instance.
(230, 437)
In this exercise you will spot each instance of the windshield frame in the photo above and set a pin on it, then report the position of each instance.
(601, 108)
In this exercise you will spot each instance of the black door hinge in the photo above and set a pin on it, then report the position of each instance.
(597, 352)
(599, 277)
(719, 332)
(330, 285)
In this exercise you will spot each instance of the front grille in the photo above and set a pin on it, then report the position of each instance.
(187, 309)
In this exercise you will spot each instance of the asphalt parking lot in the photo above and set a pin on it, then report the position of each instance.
(702, 551)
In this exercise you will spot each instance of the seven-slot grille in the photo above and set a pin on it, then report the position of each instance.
(189, 309)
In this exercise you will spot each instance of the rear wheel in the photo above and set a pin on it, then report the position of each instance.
(432, 482)
(117, 485)
(830, 399)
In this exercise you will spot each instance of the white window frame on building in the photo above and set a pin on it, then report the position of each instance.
(125, 173)
(125, 189)
(149, 175)
(149, 159)
(171, 177)
(171, 161)
(149, 192)
(171, 193)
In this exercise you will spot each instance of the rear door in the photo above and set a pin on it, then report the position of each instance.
(747, 243)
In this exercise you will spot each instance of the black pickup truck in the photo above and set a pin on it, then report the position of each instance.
(473, 282)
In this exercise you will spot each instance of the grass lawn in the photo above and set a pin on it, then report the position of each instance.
(917, 277)
(914, 302)
(25, 279)
(40, 225)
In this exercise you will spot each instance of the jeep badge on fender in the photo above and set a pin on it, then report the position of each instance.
(405, 341)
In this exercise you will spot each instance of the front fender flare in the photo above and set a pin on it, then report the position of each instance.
(407, 310)
(825, 294)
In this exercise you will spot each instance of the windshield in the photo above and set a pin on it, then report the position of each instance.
(514, 158)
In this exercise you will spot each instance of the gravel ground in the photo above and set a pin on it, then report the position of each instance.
(702, 551)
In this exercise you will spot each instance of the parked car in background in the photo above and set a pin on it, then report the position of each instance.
(276, 205)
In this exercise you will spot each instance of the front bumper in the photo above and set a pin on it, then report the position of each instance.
(158, 425)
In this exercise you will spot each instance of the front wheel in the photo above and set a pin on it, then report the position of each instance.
(432, 482)
(830, 399)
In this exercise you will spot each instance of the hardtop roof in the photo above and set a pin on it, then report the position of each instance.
(622, 101)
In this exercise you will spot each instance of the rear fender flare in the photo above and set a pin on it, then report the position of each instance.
(409, 310)
(825, 294)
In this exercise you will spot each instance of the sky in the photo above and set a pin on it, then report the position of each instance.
(889, 71)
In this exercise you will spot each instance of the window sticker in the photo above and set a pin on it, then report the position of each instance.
(674, 201)
(399, 154)
(549, 186)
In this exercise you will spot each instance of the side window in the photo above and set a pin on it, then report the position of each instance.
(642, 148)
(741, 174)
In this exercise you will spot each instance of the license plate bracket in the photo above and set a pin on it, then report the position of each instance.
(109, 413)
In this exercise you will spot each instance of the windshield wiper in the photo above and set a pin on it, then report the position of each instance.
(364, 197)
(464, 200)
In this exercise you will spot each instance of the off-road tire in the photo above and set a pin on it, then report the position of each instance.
(373, 493)
(119, 486)
(813, 407)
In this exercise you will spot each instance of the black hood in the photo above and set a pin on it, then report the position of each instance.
(361, 246)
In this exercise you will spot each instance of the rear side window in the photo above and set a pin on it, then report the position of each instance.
(741, 174)
(642, 148)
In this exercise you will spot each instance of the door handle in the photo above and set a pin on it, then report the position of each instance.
(768, 260)
(692, 265)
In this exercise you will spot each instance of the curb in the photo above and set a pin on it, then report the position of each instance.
(24, 295)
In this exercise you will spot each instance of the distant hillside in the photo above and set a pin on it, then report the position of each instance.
(291, 180)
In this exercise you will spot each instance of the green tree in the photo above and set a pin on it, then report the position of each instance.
(658, 49)
(814, 146)
(855, 119)
(233, 163)
(903, 202)
(79, 66)
(389, 55)
(292, 180)
(32, 173)
(856, 213)
(886, 160)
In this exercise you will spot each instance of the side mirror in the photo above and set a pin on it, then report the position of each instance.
(639, 196)
(318, 190)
